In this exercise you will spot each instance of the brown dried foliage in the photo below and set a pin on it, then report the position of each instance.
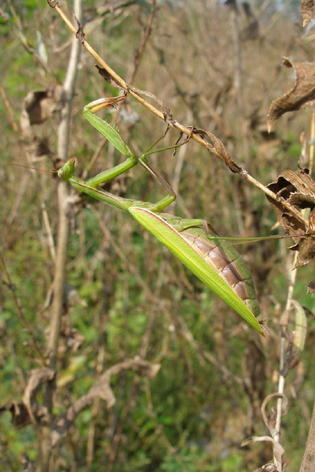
(190, 64)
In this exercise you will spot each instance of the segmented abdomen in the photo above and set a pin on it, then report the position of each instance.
(226, 261)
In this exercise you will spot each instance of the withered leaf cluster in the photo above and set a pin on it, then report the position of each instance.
(298, 189)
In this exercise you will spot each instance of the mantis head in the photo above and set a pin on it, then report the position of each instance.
(67, 170)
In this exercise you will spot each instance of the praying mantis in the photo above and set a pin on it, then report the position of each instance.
(193, 241)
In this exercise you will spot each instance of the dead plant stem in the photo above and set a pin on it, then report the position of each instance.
(62, 243)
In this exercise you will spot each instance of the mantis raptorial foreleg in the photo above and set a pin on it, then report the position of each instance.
(213, 261)
(114, 137)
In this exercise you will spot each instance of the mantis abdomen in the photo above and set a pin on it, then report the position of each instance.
(226, 261)
(215, 262)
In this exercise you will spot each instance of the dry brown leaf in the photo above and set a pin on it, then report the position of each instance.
(38, 105)
(103, 73)
(218, 148)
(23, 413)
(298, 189)
(307, 9)
(269, 467)
(20, 416)
(302, 94)
(38, 377)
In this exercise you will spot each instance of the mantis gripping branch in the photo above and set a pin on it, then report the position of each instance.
(214, 261)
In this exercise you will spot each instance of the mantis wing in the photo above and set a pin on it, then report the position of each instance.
(191, 258)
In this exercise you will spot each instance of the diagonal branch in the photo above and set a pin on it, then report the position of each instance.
(215, 146)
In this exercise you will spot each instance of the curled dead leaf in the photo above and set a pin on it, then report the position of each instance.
(302, 94)
(269, 467)
(106, 75)
(298, 189)
(19, 412)
(278, 451)
(38, 105)
(30, 411)
(217, 147)
(276, 465)
(38, 378)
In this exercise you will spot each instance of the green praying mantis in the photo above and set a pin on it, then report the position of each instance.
(193, 241)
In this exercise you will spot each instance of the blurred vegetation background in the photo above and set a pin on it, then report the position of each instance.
(216, 68)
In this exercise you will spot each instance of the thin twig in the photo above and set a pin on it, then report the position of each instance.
(50, 238)
(145, 39)
(9, 108)
(284, 330)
